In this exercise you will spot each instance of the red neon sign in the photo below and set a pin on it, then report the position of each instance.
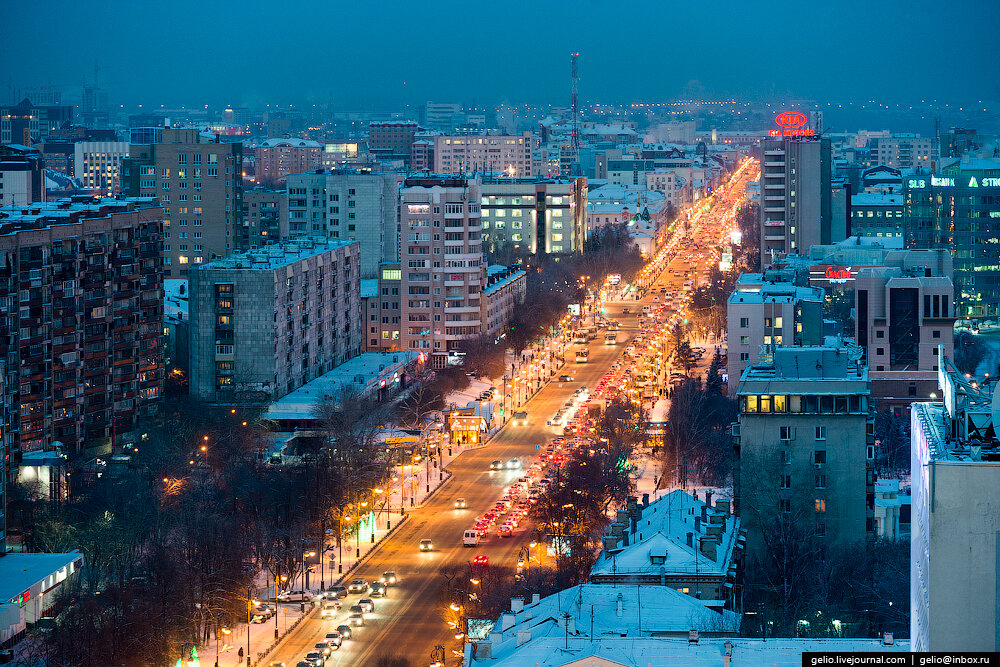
(791, 119)
(838, 274)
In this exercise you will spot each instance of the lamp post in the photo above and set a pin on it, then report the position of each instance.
(249, 604)
(283, 580)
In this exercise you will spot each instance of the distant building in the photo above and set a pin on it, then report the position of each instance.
(443, 116)
(677, 541)
(276, 158)
(795, 210)
(904, 151)
(805, 446)
(267, 321)
(768, 311)
(443, 268)
(471, 154)
(199, 181)
(98, 164)
(959, 208)
(82, 283)
(25, 123)
(22, 176)
(347, 204)
(955, 462)
(392, 140)
(876, 215)
(529, 216)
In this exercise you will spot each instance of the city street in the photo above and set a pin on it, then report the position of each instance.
(410, 621)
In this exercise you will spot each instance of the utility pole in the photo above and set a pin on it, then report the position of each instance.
(575, 85)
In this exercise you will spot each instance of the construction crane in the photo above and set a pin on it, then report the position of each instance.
(575, 101)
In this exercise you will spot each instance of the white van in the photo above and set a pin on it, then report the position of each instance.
(470, 538)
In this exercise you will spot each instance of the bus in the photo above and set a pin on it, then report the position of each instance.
(611, 338)
(612, 325)
(582, 354)
(580, 337)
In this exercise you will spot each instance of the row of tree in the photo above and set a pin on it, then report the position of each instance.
(174, 542)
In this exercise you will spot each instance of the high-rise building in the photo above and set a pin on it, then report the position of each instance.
(443, 116)
(382, 308)
(25, 123)
(98, 164)
(528, 216)
(504, 291)
(958, 208)
(795, 210)
(347, 204)
(276, 158)
(805, 450)
(267, 321)
(767, 311)
(954, 554)
(199, 182)
(81, 290)
(22, 176)
(442, 264)
(472, 154)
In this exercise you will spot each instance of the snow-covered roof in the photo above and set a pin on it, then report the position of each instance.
(554, 649)
(664, 527)
(175, 298)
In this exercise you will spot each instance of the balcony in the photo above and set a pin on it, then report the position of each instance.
(454, 244)
(461, 309)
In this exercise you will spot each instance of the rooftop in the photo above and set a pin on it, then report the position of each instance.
(876, 199)
(20, 571)
(772, 287)
(831, 364)
(293, 142)
(552, 648)
(38, 215)
(276, 255)
(363, 373)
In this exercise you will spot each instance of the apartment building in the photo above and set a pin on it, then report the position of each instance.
(532, 216)
(381, 298)
(277, 158)
(876, 215)
(81, 294)
(347, 204)
(264, 322)
(98, 164)
(795, 210)
(805, 449)
(505, 288)
(442, 264)
(200, 184)
(768, 311)
(954, 554)
(22, 176)
(453, 154)
(904, 151)
(265, 214)
(392, 140)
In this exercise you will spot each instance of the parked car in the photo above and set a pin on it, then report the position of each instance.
(294, 596)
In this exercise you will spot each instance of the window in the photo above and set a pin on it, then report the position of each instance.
(880, 350)
(744, 356)
(786, 481)
(744, 340)
(936, 333)
(786, 457)
(785, 433)
(819, 457)
(820, 505)
(821, 433)
(880, 333)
(820, 481)
(785, 505)
(744, 323)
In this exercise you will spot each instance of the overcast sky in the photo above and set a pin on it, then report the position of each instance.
(389, 52)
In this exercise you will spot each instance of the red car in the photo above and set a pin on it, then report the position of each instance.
(481, 559)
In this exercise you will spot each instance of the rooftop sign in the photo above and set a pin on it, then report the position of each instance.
(793, 124)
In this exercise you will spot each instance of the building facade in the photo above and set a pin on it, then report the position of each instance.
(805, 449)
(98, 164)
(199, 182)
(955, 459)
(959, 209)
(529, 216)
(264, 322)
(505, 288)
(443, 271)
(347, 204)
(382, 308)
(876, 215)
(767, 311)
(81, 291)
(453, 154)
(795, 210)
(392, 140)
(904, 151)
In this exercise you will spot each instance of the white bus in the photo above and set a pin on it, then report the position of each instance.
(582, 354)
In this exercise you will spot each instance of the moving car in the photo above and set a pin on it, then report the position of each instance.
(513, 464)
(367, 605)
(330, 609)
(565, 378)
(460, 503)
(389, 578)
(338, 591)
(324, 649)
(426, 545)
(470, 538)
(481, 559)
(358, 586)
(345, 631)
(334, 639)
(496, 465)
(316, 658)
(377, 590)
(520, 418)
(356, 618)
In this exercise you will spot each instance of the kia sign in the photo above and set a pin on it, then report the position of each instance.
(792, 124)
(791, 119)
